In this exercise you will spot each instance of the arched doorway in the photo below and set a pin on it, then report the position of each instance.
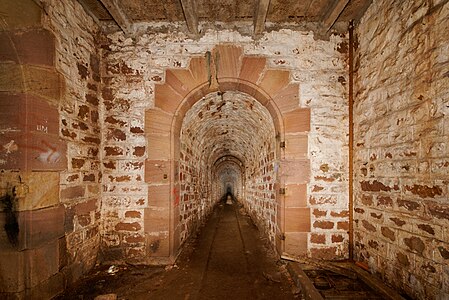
(222, 72)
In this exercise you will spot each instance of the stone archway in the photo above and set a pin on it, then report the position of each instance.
(223, 69)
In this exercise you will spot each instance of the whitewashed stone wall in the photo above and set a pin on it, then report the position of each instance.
(401, 145)
(77, 59)
(132, 67)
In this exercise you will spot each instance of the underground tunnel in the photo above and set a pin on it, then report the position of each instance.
(228, 141)
(125, 126)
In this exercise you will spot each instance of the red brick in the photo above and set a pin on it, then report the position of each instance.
(115, 121)
(415, 244)
(319, 213)
(341, 214)
(139, 151)
(337, 238)
(78, 163)
(328, 253)
(115, 134)
(387, 232)
(323, 224)
(318, 238)
(343, 225)
(122, 226)
(368, 226)
(133, 214)
(72, 192)
(113, 151)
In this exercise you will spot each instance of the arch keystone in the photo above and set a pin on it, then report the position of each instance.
(228, 59)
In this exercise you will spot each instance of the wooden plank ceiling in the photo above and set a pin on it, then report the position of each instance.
(192, 12)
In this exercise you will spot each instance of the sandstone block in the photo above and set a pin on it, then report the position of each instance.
(297, 219)
(158, 246)
(296, 146)
(180, 80)
(296, 243)
(34, 46)
(156, 220)
(166, 98)
(157, 171)
(295, 171)
(38, 227)
(287, 99)
(38, 81)
(274, 81)
(42, 190)
(12, 271)
(252, 68)
(159, 195)
(228, 60)
(158, 147)
(297, 120)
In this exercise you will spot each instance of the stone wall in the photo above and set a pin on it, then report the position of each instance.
(401, 145)
(49, 124)
(77, 59)
(228, 125)
(134, 70)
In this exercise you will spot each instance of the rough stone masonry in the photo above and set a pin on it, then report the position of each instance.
(401, 145)
(115, 148)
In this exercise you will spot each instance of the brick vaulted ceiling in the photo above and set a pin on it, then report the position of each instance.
(193, 12)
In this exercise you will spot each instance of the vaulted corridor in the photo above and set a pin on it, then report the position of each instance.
(123, 124)
(229, 259)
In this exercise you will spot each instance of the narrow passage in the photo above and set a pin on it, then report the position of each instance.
(228, 260)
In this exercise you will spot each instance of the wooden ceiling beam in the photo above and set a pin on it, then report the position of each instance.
(260, 15)
(334, 12)
(116, 11)
(190, 9)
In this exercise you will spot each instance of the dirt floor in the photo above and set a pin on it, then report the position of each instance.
(229, 259)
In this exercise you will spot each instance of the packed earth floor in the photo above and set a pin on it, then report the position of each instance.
(229, 259)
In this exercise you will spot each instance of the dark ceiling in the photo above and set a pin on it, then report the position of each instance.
(324, 12)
